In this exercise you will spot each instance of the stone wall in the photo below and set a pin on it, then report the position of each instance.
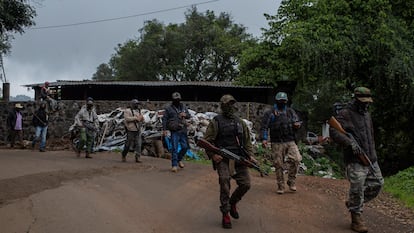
(60, 121)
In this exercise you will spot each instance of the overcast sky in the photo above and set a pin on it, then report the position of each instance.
(73, 53)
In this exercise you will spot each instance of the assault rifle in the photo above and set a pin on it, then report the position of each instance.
(228, 154)
(363, 158)
(89, 125)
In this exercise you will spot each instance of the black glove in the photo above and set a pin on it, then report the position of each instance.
(356, 149)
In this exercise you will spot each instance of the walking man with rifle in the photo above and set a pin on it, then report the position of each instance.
(87, 122)
(40, 122)
(280, 123)
(229, 132)
(354, 131)
(133, 120)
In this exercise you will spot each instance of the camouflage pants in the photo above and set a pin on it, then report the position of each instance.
(285, 152)
(364, 186)
(242, 179)
(86, 138)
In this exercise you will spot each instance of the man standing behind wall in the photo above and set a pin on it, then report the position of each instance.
(15, 125)
(282, 121)
(174, 120)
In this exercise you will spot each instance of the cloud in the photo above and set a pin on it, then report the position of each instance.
(73, 53)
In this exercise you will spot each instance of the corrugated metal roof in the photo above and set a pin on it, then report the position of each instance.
(142, 83)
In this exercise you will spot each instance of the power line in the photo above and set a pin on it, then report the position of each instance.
(123, 17)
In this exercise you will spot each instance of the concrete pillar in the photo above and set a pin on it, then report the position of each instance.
(6, 92)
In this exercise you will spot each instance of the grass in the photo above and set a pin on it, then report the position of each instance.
(401, 186)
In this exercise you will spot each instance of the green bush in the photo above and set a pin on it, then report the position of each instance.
(401, 186)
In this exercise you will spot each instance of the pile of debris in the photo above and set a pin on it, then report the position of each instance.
(112, 134)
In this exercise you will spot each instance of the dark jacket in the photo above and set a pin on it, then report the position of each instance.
(171, 119)
(280, 125)
(357, 122)
(40, 118)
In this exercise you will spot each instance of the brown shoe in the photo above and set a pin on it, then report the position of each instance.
(358, 224)
(87, 156)
(123, 158)
(292, 186)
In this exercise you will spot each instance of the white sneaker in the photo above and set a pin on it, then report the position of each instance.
(174, 169)
(181, 164)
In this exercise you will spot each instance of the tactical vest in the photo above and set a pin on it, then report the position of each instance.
(230, 135)
(281, 127)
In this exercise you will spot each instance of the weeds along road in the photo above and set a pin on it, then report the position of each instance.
(55, 192)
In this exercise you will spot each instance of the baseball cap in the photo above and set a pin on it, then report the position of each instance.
(227, 99)
(176, 96)
(89, 100)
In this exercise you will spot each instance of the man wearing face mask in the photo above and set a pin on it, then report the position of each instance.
(40, 122)
(133, 120)
(174, 120)
(228, 131)
(365, 182)
(280, 123)
(87, 121)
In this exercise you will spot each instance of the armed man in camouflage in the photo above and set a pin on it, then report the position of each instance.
(282, 121)
(230, 132)
(87, 121)
(365, 181)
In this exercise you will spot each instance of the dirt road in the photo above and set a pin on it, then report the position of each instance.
(54, 192)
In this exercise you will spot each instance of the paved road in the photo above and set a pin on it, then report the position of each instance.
(56, 192)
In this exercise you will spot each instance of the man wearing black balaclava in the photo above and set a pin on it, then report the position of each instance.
(133, 120)
(87, 122)
(228, 131)
(174, 120)
(40, 122)
(280, 123)
(365, 180)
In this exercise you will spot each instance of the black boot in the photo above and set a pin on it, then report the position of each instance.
(233, 211)
(88, 156)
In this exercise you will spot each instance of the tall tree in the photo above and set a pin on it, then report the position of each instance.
(15, 15)
(331, 46)
(206, 47)
(103, 72)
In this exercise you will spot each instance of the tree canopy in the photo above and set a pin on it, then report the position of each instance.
(332, 46)
(15, 15)
(204, 48)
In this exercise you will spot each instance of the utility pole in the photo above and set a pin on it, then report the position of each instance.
(2, 74)
(6, 85)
